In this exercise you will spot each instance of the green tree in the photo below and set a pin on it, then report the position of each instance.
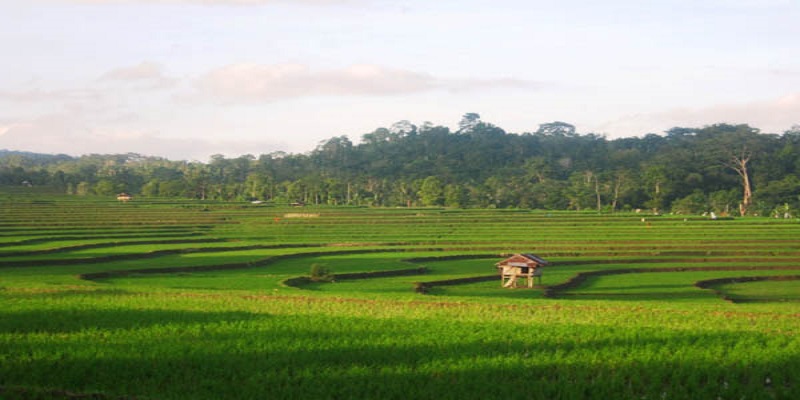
(469, 122)
(172, 188)
(105, 187)
(431, 192)
(735, 147)
(556, 128)
(198, 180)
(724, 202)
(655, 179)
(83, 188)
(695, 203)
(454, 196)
(583, 191)
(150, 189)
(777, 193)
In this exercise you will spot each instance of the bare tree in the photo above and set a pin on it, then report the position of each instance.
(736, 146)
(738, 162)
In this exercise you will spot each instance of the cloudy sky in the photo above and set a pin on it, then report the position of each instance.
(186, 79)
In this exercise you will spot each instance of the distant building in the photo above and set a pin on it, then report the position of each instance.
(528, 266)
(124, 197)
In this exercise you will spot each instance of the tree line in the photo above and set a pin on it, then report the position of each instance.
(724, 168)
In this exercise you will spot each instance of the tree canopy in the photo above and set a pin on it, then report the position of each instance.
(722, 168)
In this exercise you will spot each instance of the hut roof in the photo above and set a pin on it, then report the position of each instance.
(536, 258)
(527, 259)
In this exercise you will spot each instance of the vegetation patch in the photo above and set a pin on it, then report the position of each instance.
(717, 285)
(301, 215)
(36, 393)
(317, 275)
(381, 274)
(225, 311)
(425, 287)
(579, 279)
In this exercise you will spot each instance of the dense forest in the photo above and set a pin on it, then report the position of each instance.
(727, 169)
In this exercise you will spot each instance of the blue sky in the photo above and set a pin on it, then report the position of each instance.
(186, 79)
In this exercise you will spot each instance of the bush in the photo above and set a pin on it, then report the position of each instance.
(695, 203)
(321, 273)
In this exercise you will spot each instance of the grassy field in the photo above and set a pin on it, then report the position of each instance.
(198, 300)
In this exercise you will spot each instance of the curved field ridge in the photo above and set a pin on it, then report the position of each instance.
(579, 279)
(711, 284)
(300, 281)
(144, 255)
(257, 263)
(380, 274)
(91, 246)
(424, 287)
(218, 267)
(118, 235)
(454, 257)
(551, 291)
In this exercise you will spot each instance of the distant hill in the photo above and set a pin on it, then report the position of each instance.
(35, 158)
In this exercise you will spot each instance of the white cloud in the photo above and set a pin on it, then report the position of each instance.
(5, 128)
(212, 2)
(255, 82)
(149, 74)
(250, 82)
(464, 85)
(145, 70)
(771, 116)
(36, 95)
(109, 90)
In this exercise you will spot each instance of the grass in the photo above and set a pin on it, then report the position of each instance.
(764, 291)
(243, 334)
(244, 347)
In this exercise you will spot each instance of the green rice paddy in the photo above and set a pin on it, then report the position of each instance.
(200, 300)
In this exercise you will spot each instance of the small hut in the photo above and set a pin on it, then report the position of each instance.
(528, 266)
(124, 197)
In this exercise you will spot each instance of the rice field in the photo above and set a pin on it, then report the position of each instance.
(164, 299)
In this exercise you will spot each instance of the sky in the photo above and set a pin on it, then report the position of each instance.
(187, 79)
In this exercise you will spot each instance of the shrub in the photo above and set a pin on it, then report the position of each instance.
(695, 203)
(321, 273)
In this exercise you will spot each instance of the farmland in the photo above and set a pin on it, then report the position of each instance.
(170, 299)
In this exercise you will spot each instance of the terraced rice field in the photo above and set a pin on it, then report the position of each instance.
(178, 299)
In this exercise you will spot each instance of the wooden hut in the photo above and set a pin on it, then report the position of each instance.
(527, 266)
(124, 197)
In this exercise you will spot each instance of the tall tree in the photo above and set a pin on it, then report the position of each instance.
(736, 146)
(468, 122)
(556, 128)
(431, 192)
(738, 162)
